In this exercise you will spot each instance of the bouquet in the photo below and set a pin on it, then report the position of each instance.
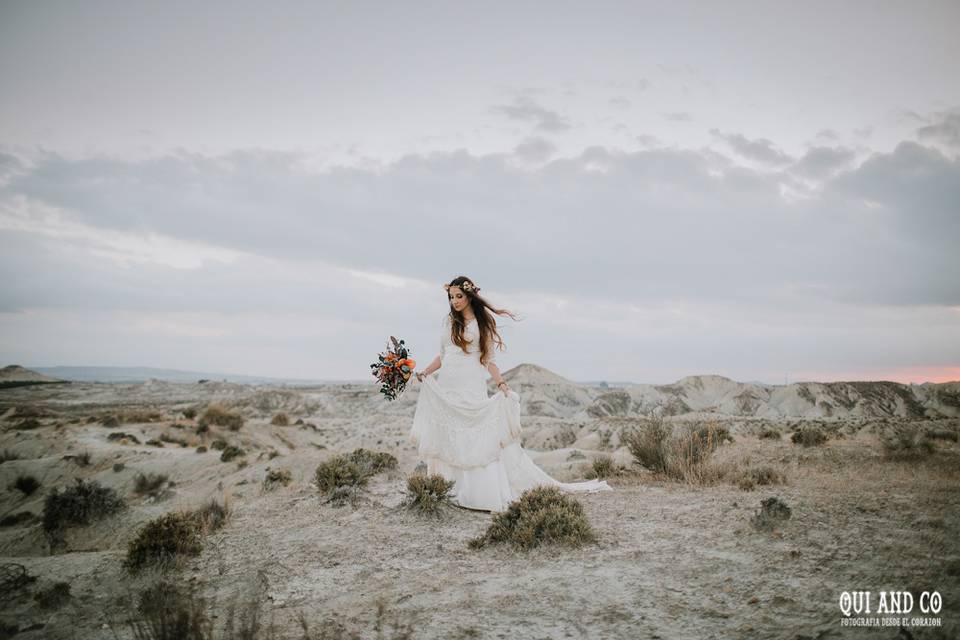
(393, 368)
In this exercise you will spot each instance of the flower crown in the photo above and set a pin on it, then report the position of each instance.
(466, 286)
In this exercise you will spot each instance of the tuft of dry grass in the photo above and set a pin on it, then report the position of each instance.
(230, 452)
(541, 515)
(602, 467)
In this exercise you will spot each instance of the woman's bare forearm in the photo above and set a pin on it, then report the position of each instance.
(433, 366)
(495, 373)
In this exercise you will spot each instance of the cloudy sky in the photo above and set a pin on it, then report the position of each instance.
(764, 191)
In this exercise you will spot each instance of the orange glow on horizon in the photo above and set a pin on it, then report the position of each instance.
(905, 375)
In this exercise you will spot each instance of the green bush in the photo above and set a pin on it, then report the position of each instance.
(647, 444)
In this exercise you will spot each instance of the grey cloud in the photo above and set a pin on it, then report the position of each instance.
(653, 224)
(526, 110)
(820, 162)
(827, 134)
(678, 116)
(535, 149)
(759, 150)
(945, 128)
(620, 102)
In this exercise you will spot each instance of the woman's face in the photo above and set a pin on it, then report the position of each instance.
(458, 299)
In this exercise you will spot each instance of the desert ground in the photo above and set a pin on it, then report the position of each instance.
(674, 557)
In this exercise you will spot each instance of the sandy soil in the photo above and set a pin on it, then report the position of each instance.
(672, 560)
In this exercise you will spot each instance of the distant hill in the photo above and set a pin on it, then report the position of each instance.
(16, 376)
(143, 374)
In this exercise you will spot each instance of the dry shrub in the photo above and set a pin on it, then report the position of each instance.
(162, 541)
(8, 455)
(27, 424)
(602, 467)
(201, 449)
(769, 433)
(120, 435)
(541, 515)
(54, 596)
(647, 443)
(153, 442)
(79, 504)
(150, 484)
(773, 511)
(166, 611)
(428, 494)
(231, 452)
(339, 471)
(14, 519)
(276, 477)
(281, 419)
(219, 415)
(942, 434)
(752, 477)
(219, 444)
(906, 442)
(26, 484)
(118, 467)
(809, 436)
(373, 462)
(688, 454)
(168, 438)
(189, 413)
(110, 421)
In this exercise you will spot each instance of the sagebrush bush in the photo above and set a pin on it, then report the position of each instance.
(189, 413)
(54, 596)
(756, 476)
(14, 519)
(339, 471)
(167, 611)
(769, 433)
(276, 477)
(809, 436)
(219, 444)
(26, 484)
(160, 541)
(79, 504)
(174, 440)
(428, 494)
(231, 452)
(602, 467)
(773, 511)
(120, 435)
(541, 515)
(906, 442)
(218, 415)
(373, 462)
(149, 483)
(280, 419)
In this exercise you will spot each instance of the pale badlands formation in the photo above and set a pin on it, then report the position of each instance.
(672, 560)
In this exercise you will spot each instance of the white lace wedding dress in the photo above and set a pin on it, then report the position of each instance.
(473, 439)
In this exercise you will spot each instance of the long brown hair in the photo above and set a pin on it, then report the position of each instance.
(486, 322)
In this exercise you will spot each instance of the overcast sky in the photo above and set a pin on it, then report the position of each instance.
(765, 191)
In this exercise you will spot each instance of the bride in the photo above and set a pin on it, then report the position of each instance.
(463, 434)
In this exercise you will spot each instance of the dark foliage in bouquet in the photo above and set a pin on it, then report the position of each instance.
(393, 369)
